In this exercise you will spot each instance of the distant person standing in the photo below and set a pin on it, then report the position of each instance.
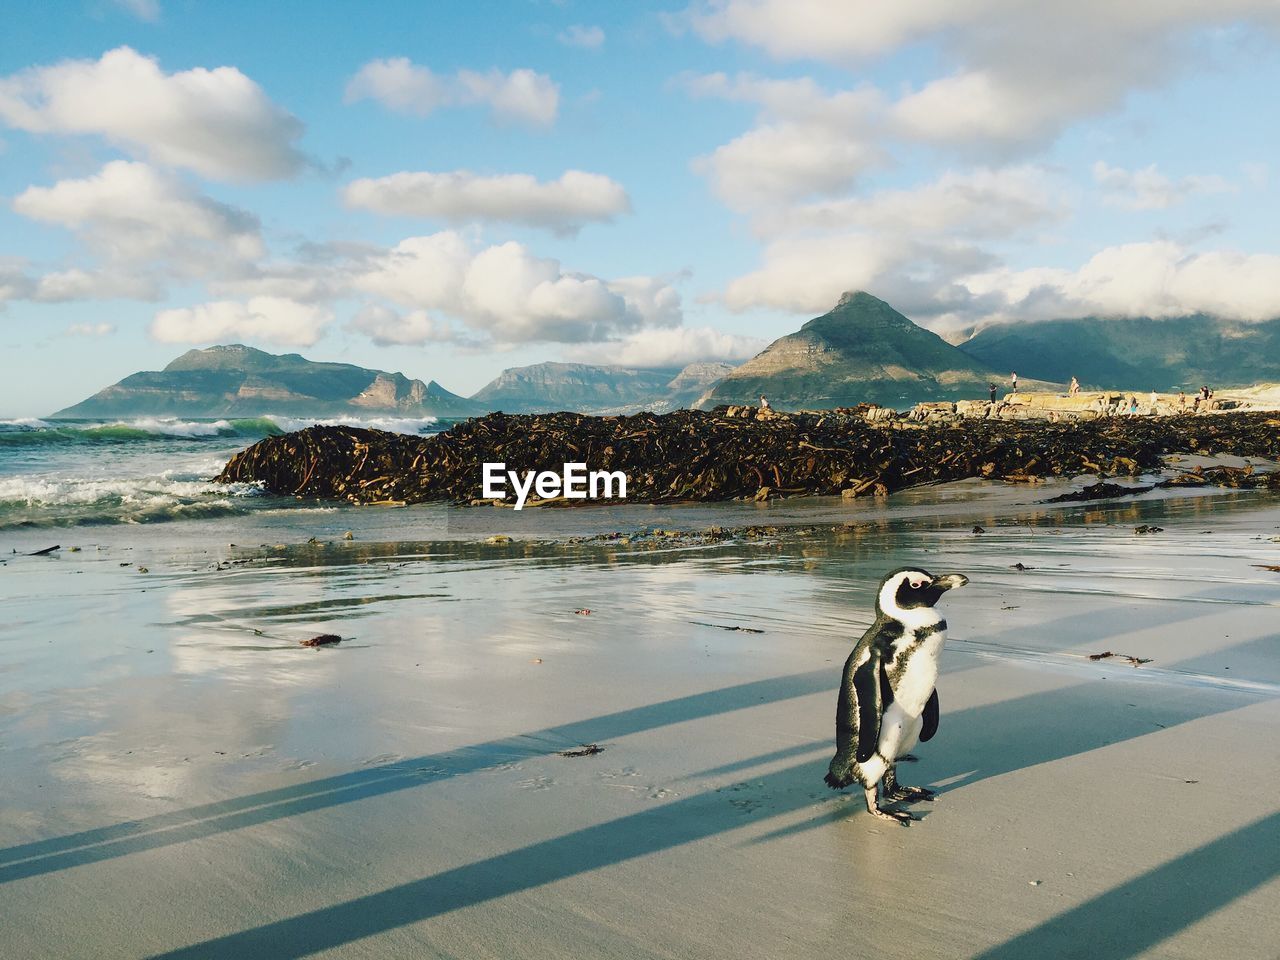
(1154, 400)
(991, 389)
(1133, 405)
(764, 402)
(1013, 379)
(1182, 400)
(1074, 389)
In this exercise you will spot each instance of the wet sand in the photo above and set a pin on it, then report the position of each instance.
(182, 779)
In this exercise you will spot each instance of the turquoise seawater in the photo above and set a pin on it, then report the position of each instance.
(63, 473)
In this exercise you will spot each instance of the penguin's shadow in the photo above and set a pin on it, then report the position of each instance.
(992, 739)
(980, 743)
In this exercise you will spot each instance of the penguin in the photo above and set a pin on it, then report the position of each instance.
(888, 699)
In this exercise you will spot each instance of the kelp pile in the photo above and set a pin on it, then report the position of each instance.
(734, 453)
(1235, 477)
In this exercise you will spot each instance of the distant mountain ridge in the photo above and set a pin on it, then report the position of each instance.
(588, 388)
(546, 387)
(862, 350)
(1134, 352)
(235, 380)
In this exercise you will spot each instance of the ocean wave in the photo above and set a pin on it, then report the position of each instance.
(35, 432)
(28, 501)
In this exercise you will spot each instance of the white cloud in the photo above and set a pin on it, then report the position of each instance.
(216, 122)
(787, 161)
(1149, 189)
(15, 284)
(908, 245)
(61, 286)
(653, 300)
(819, 29)
(131, 212)
(521, 96)
(1156, 279)
(805, 141)
(399, 85)
(512, 295)
(981, 203)
(562, 205)
(148, 10)
(90, 330)
(585, 37)
(386, 327)
(1016, 74)
(273, 320)
(670, 347)
(808, 274)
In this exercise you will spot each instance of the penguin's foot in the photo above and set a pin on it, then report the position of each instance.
(911, 794)
(896, 816)
(895, 791)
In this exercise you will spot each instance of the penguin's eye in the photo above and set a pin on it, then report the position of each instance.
(916, 583)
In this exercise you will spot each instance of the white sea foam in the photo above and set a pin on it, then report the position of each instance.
(172, 427)
(58, 501)
(23, 423)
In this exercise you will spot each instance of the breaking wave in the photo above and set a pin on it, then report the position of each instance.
(32, 432)
(73, 501)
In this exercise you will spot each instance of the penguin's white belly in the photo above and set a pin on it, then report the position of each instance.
(899, 732)
(914, 677)
(912, 680)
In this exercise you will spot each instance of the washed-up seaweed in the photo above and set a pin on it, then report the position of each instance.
(1132, 661)
(586, 750)
(1099, 491)
(322, 640)
(1236, 477)
(734, 453)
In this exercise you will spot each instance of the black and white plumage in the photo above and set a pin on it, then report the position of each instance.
(888, 700)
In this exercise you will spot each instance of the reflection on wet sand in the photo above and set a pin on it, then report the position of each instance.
(167, 740)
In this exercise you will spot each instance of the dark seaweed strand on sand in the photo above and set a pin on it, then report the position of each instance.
(731, 453)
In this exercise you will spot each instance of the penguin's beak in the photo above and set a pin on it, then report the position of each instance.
(950, 581)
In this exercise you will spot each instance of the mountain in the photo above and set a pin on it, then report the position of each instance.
(1136, 353)
(236, 380)
(862, 351)
(588, 388)
(695, 380)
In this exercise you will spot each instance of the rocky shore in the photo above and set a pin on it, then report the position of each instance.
(743, 453)
(1086, 405)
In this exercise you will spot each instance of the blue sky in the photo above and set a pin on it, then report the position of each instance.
(393, 185)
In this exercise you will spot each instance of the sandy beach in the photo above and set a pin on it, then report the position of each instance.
(184, 780)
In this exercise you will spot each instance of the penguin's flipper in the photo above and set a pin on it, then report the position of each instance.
(866, 687)
(857, 715)
(932, 714)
